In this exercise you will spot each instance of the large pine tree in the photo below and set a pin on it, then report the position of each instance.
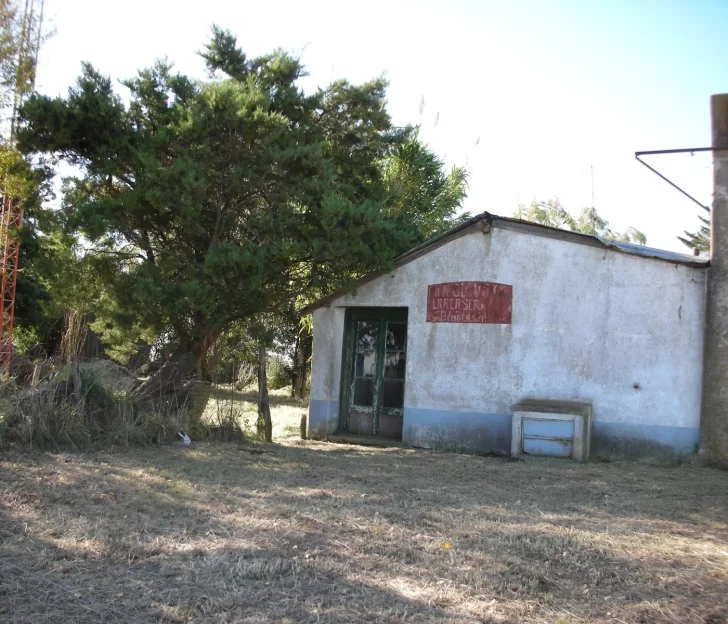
(210, 202)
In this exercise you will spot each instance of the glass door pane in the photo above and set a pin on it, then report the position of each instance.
(365, 364)
(395, 357)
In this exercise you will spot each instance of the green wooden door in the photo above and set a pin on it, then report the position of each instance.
(373, 372)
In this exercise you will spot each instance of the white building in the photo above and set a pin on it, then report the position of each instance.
(499, 316)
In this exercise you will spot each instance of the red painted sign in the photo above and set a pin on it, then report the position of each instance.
(469, 302)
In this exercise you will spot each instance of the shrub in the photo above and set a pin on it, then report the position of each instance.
(279, 373)
(97, 404)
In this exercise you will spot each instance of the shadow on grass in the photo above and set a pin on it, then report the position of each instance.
(322, 532)
(133, 577)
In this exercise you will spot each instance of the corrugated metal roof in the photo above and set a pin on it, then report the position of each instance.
(660, 254)
(527, 227)
(629, 248)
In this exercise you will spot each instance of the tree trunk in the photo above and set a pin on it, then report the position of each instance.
(201, 350)
(264, 420)
(295, 382)
(304, 362)
(170, 376)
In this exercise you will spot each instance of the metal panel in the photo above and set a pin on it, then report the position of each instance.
(548, 428)
(469, 302)
(554, 435)
(541, 446)
(557, 421)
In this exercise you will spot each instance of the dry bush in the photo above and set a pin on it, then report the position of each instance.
(247, 374)
(112, 375)
(74, 335)
(91, 404)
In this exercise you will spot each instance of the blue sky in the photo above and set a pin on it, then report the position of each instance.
(550, 89)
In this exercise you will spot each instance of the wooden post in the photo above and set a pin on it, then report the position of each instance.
(263, 403)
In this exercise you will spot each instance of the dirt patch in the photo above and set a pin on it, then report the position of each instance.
(303, 531)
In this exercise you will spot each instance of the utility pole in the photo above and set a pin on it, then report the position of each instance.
(714, 408)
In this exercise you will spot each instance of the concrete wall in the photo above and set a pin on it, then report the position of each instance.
(622, 332)
(714, 429)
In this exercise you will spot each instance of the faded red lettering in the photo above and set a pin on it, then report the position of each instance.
(469, 302)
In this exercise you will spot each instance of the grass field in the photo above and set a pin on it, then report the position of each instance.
(302, 531)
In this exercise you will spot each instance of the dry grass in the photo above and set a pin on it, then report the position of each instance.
(243, 406)
(317, 532)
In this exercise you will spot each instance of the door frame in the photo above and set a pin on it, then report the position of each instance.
(351, 317)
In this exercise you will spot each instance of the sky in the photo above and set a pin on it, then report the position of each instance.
(532, 97)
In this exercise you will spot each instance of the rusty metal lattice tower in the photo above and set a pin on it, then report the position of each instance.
(11, 217)
(23, 60)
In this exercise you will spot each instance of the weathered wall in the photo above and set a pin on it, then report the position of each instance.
(328, 339)
(621, 332)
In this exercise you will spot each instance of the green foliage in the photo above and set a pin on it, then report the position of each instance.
(25, 185)
(206, 204)
(15, 182)
(42, 254)
(589, 221)
(223, 55)
(306, 324)
(699, 240)
(280, 373)
(210, 203)
(234, 356)
(122, 339)
(47, 256)
(421, 191)
(25, 338)
(54, 277)
(21, 35)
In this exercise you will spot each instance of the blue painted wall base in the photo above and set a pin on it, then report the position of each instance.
(615, 440)
(491, 433)
(471, 431)
(323, 418)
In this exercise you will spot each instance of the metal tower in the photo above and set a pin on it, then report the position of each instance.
(25, 63)
(11, 217)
